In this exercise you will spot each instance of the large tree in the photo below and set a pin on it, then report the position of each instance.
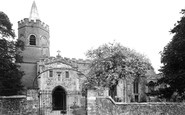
(173, 59)
(10, 74)
(112, 62)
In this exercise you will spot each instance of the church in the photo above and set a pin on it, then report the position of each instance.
(57, 81)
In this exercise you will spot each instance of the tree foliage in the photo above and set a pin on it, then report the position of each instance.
(173, 59)
(112, 62)
(10, 74)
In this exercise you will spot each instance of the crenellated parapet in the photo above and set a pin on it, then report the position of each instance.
(32, 23)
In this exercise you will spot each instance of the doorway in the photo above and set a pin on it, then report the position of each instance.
(59, 99)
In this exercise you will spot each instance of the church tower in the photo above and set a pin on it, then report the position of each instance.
(35, 35)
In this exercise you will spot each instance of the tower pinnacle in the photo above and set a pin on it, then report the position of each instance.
(34, 15)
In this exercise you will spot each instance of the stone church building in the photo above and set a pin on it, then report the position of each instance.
(57, 81)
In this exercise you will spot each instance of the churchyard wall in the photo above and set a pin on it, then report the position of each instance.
(17, 105)
(99, 103)
(20, 104)
(105, 106)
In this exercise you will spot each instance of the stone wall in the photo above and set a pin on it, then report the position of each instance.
(104, 105)
(17, 105)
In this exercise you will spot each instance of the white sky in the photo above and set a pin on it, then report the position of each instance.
(79, 25)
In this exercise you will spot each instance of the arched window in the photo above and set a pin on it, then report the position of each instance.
(51, 73)
(32, 40)
(151, 85)
(67, 74)
(59, 99)
(136, 90)
(113, 92)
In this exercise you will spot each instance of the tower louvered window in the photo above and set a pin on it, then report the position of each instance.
(32, 40)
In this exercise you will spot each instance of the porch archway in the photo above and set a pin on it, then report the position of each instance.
(59, 100)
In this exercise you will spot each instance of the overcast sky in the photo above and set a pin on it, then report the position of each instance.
(79, 25)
